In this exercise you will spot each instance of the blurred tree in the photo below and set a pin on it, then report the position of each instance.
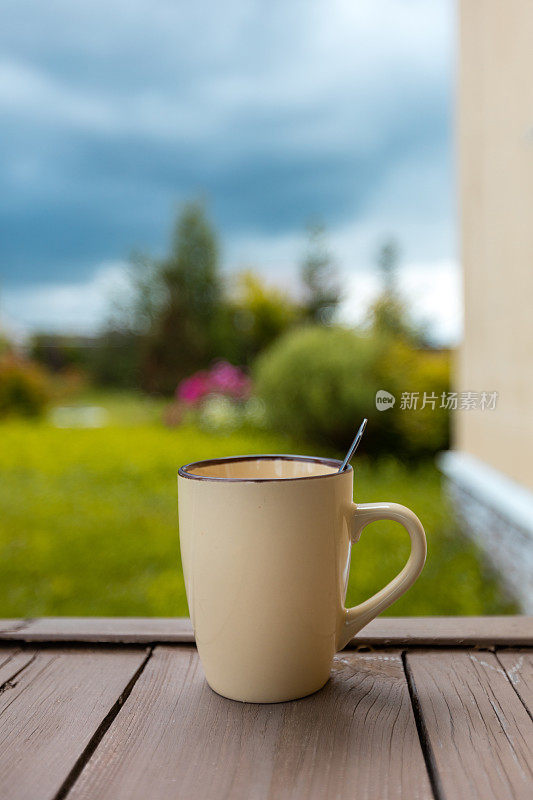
(178, 302)
(140, 311)
(388, 315)
(5, 345)
(169, 324)
(121, 348)
(58, 352)
(24, 387)
(388, 260)
(116, 357)
(255, 316)
(322, 292)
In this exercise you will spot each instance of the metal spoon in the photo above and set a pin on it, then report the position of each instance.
(354, 445)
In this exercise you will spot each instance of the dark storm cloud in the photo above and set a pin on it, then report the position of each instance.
(113, 113)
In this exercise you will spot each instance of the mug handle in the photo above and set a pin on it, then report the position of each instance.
(357, 617)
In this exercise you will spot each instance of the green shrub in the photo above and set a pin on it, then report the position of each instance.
(319, 382)
(316, 382)
(24, 388)
(426, 429)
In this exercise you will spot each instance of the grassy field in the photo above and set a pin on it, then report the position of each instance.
(88, 522)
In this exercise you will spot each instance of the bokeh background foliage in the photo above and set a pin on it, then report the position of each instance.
(194, 365)
(89, 522)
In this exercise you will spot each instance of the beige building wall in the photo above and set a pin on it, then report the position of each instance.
(495, 142)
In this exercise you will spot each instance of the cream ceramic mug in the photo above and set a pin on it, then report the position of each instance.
(265, 544)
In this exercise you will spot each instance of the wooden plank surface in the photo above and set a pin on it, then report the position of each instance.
(478, 734)
(12, 661)
(175, 738)
(50, 712)
(12, 625)
(518, 665)
(111, 630)
(514, 631)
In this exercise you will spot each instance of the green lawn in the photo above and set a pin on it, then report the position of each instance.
(88, 523)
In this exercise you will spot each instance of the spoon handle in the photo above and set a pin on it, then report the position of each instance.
(354, 445)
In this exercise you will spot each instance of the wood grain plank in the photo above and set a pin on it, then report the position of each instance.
(12, 661)
(447, 632)
(110, 630)
(518, 665)
(514, 631)
(357, 738)
(478, 733)
(175, 738)
(12, 625)
(51, 711)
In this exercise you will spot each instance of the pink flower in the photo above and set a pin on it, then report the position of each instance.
(229, 380)
(193, 389)
(223, 378)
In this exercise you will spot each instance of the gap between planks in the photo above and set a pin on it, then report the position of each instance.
(474, 729)
(423, 736)
(518, 666)
(37, 713)
(397, 632)
(18, 660)
(100, 732)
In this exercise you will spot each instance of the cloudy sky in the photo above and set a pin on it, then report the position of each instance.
(114, 112)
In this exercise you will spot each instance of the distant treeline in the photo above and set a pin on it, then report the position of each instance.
(182, 312)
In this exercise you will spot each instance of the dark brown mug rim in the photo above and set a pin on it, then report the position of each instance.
(183, 471)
